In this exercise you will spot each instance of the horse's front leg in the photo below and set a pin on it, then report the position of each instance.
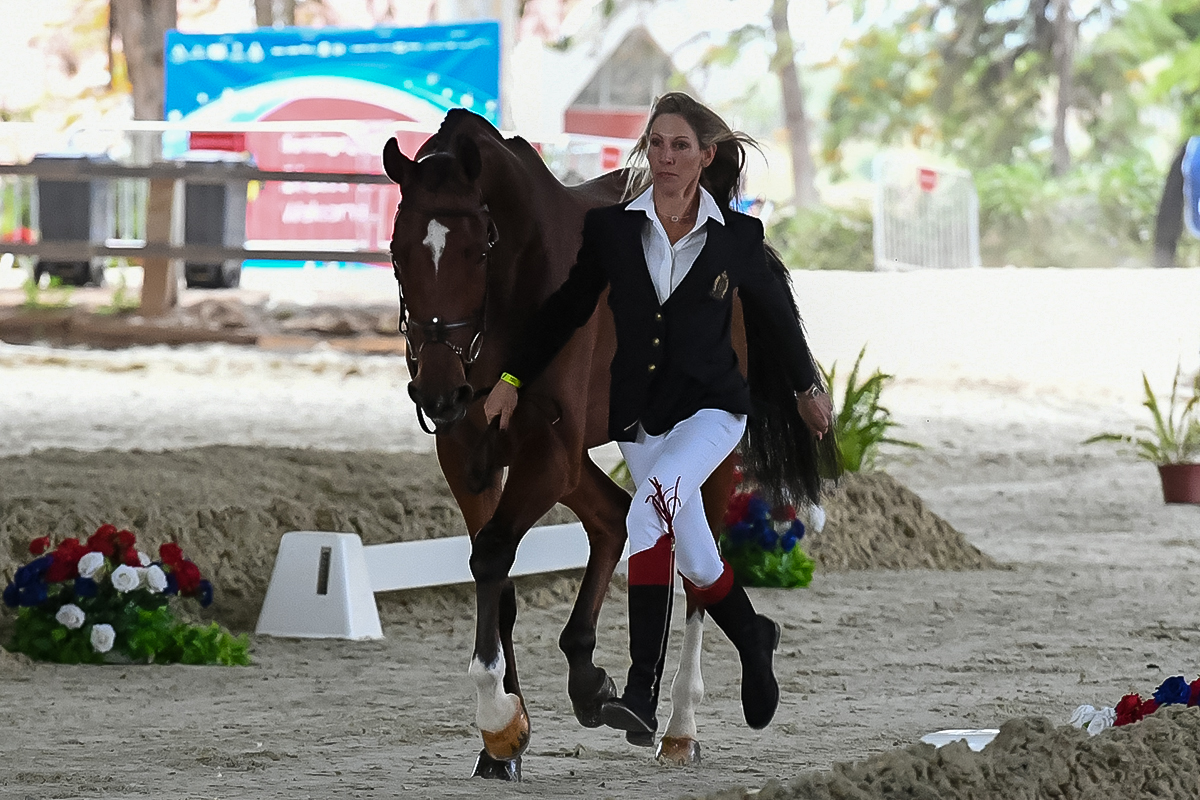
(500, 714)
(476, 488)
(601, 506)
(532, 488)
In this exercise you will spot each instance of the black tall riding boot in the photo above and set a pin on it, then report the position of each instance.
(649, 628)
(755, 637)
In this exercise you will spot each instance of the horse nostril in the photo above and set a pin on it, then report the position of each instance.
(462, 396)
(414, 393)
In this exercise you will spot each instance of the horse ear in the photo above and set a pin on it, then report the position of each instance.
(397, 165)
(469, 158)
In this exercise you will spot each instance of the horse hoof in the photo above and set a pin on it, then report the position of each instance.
(495, 769)
(508, 744)
(588, 713)
(678, 751)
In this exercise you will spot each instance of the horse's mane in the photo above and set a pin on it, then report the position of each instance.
(456, 121)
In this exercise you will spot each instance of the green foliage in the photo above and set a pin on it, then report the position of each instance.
(122, 299)
(1174, 436)
(883, 90)
(39, 636)
(146, 635)
(826, 238)
(158, 637)
(1100, 214)
(862, 423)
(777, 568)
(939, 75)
(57, 295)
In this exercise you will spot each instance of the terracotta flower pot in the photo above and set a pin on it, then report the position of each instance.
(1180, 482)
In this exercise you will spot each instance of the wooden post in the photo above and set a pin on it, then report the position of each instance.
(160, 285)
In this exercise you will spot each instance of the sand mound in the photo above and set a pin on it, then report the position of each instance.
(874, 522)
(228, 506)
(1030, 758)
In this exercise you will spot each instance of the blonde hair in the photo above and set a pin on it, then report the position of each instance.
(721, 177)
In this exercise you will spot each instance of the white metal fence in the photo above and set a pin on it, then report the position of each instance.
(925, 217)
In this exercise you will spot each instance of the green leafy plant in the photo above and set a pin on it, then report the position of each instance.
(103, 600)
(1174, 436)
(862, 422)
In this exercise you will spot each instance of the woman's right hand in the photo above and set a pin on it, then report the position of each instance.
(501, 402)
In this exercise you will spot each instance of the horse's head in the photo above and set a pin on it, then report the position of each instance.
(441, 238)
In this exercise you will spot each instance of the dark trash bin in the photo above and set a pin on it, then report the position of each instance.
(74, 210)
(214, 213)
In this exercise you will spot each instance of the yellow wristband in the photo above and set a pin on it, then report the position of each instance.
(513, 379)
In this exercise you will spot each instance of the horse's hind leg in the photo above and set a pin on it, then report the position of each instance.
(680, 743)
(602, 507)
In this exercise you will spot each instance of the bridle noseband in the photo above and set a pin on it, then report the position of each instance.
(436, 331)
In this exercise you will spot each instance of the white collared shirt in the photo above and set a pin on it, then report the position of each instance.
(669, 264)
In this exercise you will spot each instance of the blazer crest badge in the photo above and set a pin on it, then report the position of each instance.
(720, 286)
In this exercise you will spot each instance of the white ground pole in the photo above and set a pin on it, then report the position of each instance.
(323, 584)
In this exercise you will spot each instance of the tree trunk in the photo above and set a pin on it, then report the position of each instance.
(1168, 225)
(268, 13)
(112, 34)
(1064, 58)
(142, 25)
(804, 169)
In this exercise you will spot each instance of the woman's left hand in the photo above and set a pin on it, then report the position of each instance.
(816, 411)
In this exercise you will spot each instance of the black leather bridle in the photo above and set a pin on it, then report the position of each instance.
(436, 330)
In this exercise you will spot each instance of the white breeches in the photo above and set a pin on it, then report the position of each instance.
(681, 460)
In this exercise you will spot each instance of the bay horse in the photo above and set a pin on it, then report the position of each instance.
(484, 232)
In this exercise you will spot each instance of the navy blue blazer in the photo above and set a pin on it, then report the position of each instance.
(674, 358)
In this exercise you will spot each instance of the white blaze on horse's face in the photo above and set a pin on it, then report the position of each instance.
(435, 240)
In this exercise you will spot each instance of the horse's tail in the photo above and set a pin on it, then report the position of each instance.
(779, 453)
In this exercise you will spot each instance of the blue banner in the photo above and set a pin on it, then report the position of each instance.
(1191, 186)
(290, 73)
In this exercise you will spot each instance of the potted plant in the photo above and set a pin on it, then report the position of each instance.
(1172, 442)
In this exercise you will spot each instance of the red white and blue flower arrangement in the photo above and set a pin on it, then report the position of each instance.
(1132, 708)
(103, 600)
(761, 542)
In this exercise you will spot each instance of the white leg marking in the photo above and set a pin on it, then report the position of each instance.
(435, 240)
(496, 707)
(687, 690)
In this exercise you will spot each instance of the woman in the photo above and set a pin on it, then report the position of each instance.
(678, 403)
